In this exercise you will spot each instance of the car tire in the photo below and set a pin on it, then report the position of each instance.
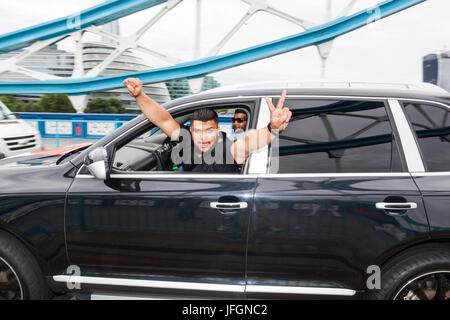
(20, 274)
(416, 274)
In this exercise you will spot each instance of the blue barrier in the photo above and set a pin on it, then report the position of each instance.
(77, 125)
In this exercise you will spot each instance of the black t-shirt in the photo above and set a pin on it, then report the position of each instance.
(217, 159)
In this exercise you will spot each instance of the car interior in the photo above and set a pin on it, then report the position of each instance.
(149, 149)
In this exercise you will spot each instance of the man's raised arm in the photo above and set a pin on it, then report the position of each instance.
(154, 112)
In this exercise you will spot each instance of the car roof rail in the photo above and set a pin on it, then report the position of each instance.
(421, 86)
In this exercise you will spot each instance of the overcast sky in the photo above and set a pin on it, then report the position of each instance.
(390, 50)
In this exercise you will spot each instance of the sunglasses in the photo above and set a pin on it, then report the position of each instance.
(238, 120)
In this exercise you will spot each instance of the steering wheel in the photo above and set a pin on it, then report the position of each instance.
(163, 155)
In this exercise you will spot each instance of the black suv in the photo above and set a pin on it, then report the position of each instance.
(352, 200)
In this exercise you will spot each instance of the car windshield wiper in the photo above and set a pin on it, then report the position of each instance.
(71, 152)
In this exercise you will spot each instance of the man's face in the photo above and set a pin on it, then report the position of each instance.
(204, 133)
(239, 122)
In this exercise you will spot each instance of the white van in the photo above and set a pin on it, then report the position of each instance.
(16, 136)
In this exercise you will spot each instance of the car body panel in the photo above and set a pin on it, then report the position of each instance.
(326, 231)
(32, 201)
(435, 189)
(161, 227)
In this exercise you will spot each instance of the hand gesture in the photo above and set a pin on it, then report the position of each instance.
(134, 86)
(279, 115)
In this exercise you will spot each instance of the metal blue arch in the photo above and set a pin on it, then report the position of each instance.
(97, 15)
(198, 68)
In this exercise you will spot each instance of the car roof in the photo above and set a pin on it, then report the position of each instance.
(291, 84)
(421, 93)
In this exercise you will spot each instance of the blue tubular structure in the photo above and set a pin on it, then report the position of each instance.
(198, 68)
(97, 15)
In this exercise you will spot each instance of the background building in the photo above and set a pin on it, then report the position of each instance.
(48, 61)
(180, 87)
(95, 52)
(436, 69)
(60, 63)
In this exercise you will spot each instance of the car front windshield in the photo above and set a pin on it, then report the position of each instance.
(5, 113)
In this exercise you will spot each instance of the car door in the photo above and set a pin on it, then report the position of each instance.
(166, 233)
(337, 199)
(430, 122)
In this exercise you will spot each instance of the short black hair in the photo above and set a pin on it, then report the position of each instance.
(240, 111)
(205, 114)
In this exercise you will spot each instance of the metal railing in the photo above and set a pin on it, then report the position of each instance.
(74, 125)
(83, 126)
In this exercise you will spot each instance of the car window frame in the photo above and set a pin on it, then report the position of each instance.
(441, 105)
(392, 122)
(246, 102)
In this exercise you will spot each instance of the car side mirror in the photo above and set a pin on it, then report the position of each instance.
(97, 163)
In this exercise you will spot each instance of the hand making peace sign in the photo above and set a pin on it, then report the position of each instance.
(279, 115)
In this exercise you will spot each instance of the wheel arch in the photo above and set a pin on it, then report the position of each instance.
(21, 238)
(385, 260)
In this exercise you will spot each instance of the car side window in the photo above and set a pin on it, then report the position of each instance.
(149, 150)
(431, 125)
(329, 136)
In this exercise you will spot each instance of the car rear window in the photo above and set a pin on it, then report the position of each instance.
(327, 136)
(431, 124)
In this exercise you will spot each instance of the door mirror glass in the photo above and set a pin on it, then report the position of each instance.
(97, 163)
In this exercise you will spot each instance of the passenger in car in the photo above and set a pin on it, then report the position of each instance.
(202, 148)
(239, 124)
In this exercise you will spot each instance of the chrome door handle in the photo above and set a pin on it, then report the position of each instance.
(228, 205)
(396, 206)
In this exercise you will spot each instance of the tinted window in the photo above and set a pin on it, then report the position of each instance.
(336, 136)
(432, 127)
